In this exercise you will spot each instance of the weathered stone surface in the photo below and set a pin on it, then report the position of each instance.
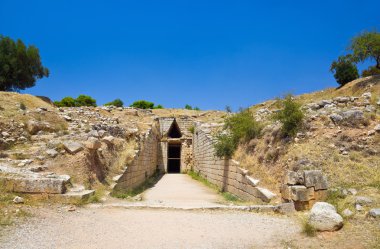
(352, 115)
(52, 152)
(109, 140)
(293, 178)
(72, 147)
(347, 213)
(323, 217)
(265, 194)
(336, 118)
(18, 200)
(33, 185)
(315, 178)
(375, 213)
(363, 200)
(301, 193)
(285, 208)
(34, 127)
(93, 133)
(93, 143)
(252, 181)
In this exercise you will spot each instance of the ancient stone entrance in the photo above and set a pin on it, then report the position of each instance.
(174, 158)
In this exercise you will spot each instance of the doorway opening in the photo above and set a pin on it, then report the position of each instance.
(174, 158)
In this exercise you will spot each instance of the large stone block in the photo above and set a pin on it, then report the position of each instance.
(293, 178)
(301, 193)
(34, 185)
(315, 178)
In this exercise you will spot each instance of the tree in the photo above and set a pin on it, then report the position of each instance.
(188, 107)
(366, 46)
(20, 65)
(116, 102)
(344, 70)
(85, 100)
(291, 116)
(143, 104)
(66, 102)
(372, 70)
(158, 107)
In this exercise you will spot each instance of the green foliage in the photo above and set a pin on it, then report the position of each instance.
(366, 46)
(85, 100)
(22, 106)
(370, 71)
(143, 104)
(188, 107)
(20, 65)
(192, 129)
(344, 70)
(228, 109)
(116, 102)
(196, 108)
(238, 128)
(82, 100)
(158, 107)
(308, 229)
(291, 116)
(225, 145)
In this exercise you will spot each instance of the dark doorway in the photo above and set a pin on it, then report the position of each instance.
(174, 131)
(174, 158)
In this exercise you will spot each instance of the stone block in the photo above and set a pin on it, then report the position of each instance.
(293, 178)
(301, 193)
(320, 195)
(315, 178)
(286, 192)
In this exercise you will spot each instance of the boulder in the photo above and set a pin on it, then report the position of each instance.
(52, 152)
(72, 147)
(323, 217)
(336, 118)
(363, 200)
(93, 143)
(347, 213)
(18, 200)
(367, 95)
(109, 140)
(352, 115)
(375, 213)
(377, 128)
(285, 208)
(93, 133)
(293, 178)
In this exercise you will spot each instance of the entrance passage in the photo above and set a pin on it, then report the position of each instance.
(174, 158)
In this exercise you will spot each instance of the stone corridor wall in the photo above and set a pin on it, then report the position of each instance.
(224, 173)
(144, 164)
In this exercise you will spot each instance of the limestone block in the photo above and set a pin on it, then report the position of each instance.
(286, 192)
(33, 185)
(314, 178)
(72, 147)
(293, 178)
(320, 195)
(252, 181)
(301, 193)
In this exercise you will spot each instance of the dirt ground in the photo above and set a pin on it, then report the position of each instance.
(122, 228)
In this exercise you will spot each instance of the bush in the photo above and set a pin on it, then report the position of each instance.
(188, 107)
(116, 102)
(371, 71)
(82, 100)
(344, 70)
(85, 100)
(291, 116)
(143, 104)
(238, 128)
(158, 107)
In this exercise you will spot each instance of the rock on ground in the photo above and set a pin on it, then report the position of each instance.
(323, 217)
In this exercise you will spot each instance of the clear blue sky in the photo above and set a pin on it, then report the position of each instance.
(204, 53)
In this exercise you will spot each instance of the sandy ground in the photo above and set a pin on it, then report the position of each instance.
(125, 228)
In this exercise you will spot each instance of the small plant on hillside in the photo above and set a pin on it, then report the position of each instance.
(308, 229)
(22, 106)
(158, 107)
(143, 104)
(188, 107)
(192, 129)
(238, 128)
(291, 116)
(371, 71)
(344, 70)
(116, 102)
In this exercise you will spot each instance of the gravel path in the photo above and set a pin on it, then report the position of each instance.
(126, 228)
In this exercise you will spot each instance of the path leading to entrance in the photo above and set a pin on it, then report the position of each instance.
(180, 190)
(128, 228)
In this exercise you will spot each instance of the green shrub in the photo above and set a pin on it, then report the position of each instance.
(85, 100)
(22, 106)
(371, 71)
(239, 128)
(158, 107)
(344, 70)
(308, 229)
(196, 108)
(188, 107)
(143, 104)
(116, 102)
(291, 116)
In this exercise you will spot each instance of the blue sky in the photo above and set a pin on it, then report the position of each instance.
(204, 53)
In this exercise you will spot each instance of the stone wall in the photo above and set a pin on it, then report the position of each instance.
(224, 173)
(144, 164)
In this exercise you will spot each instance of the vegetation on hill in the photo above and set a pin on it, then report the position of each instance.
(189, 107)
(290, 116)
(116, 102)
(238, 128)
(81, 100)
(21, 65)
(365, 46)
(143, 104)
